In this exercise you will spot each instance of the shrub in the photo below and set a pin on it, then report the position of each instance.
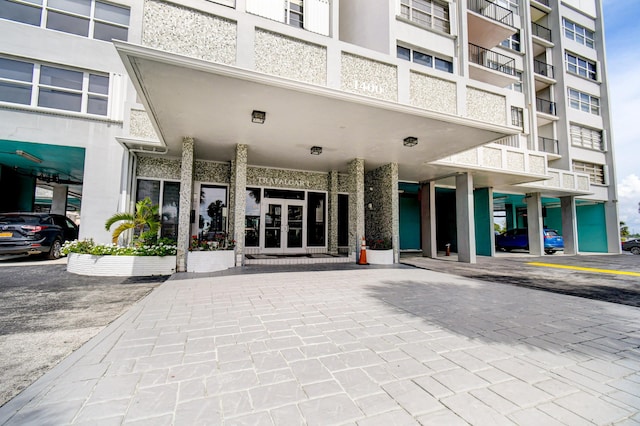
(89, 247)
(219, 241)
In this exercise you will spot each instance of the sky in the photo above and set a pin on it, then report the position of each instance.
(622, 41)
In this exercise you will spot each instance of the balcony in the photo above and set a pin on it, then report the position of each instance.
(560, 183)
(491, 67)
(546, 111)
(544, 74)
(539, 9)
(488, 23)
(548, 145)
(541, 38)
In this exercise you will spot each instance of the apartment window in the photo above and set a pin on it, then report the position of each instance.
(293, 13)
(165, 194)
(512, 5)
(578, 33)
(585, 137)
(580, 66)
(512, 42)
(87, 18)
(427, 13)
(517, 87)
(595, 171)
(517, 117)
(584, 102)
(47, 86)
(424, 59)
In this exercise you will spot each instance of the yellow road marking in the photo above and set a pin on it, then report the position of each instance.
(581, 268)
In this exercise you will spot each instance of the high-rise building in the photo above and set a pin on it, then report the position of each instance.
(302, 126)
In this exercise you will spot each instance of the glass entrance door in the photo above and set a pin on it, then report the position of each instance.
(283, 226)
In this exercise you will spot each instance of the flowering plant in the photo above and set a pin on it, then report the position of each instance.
(89, 247)
(379, 243)
(220, 241)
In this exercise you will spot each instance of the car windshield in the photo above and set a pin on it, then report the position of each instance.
(550, 233)
(19, 219)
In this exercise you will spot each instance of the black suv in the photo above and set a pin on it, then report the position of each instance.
(35, 233)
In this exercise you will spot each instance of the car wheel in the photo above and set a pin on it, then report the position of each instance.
(549, 251)
(635, 250)
(56, 250)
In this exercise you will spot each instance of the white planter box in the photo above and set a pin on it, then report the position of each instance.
(120, 266)
(210, 261)
(380, 257)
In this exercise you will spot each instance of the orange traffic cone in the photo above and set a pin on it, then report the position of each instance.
(363, 252)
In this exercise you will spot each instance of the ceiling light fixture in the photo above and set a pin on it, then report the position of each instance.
(316, 150)
(410, 141)
(28, 156)
(258, 116)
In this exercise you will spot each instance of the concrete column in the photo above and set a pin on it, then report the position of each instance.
(464, 219)
(569, 225)
(333, 212)
(59, 200)
(238, 200)
(428, 235)
(612, 219)
(381, 193)
(356, 204)
(483, 216)
(534, 222)
(184, 213)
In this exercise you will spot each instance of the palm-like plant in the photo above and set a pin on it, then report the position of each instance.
(146, 222)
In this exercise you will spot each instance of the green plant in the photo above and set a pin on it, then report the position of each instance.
(89, 247)
(145, 222)
(220, 241)
(379, 243)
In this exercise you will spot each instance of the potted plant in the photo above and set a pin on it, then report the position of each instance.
(145, 256)
(215, 253)
(379, 251)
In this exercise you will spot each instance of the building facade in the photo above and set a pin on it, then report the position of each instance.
(302, 126)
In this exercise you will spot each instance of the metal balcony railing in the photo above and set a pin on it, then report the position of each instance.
(545, 106)
(491, 11)
(543, 68)
(492, 60)
(545, 2)
(540, 31)
(548, 145)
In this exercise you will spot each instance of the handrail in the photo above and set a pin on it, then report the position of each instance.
(492, 11)
(540, 31)
(543, 68)
(545, 106)
(493, 60)
(548, 145)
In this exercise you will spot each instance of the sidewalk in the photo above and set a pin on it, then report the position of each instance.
(367, 347)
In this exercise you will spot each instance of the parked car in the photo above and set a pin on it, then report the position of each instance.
(518, 238)
(35, 233)
(632, 245)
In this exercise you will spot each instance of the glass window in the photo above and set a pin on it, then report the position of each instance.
(595, 171)
(15, 93)
(404, 53)
(67, 23)
(427, 13)
(112, 13)
(51, 98)
(586, 138)
(212, 213)
(444, 65)
(424, 59)
(512, 42)
(517, 117)
(578, 33)
(15, 81)
(53, 81)
(148, 188)
(15, 70)
(59, 77)
(580, 66)
(19, 12)
(170, 210)
(293, 13)
(343, 220)
(584, 102)
(252, 218)
(316, 219)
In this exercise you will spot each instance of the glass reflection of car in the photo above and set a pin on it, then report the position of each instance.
(35, 233)
(632, 245)
(518, 239)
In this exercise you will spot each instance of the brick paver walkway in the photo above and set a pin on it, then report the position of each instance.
(365, 347)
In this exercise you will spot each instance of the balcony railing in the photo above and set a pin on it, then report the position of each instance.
(543, 68)
(545, 2)
(548, 145)
(545, 106)
(492, 60)
(491, 11)
(540, 31)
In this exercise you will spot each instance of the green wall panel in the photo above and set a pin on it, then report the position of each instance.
(592, 231)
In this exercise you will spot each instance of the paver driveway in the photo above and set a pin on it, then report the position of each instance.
(366, 347)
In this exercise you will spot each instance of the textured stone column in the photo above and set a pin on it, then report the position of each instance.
(381, 193)
(356, 204)
(569, 224)
(59, 200)
(428, 220)
(534, 223)
(464, 218)
(186, 194)
(238, 200)
(333, 212)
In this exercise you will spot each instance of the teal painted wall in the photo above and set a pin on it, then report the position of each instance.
(483, 221)
(553, 220)
(592, 231)
(409, 222)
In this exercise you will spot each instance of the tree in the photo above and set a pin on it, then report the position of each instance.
(145, 222)
(624, 230)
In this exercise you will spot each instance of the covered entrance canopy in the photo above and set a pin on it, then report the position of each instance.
(212, 103)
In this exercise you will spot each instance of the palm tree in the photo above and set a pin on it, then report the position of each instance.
(145, 222)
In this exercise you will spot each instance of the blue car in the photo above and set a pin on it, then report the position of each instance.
(518, 238)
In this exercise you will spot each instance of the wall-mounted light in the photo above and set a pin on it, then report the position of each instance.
(316, 150)
(370, 206)
(28, 156)
(258, 116)
(410, 141)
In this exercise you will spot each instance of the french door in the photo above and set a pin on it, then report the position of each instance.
(284, 226)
